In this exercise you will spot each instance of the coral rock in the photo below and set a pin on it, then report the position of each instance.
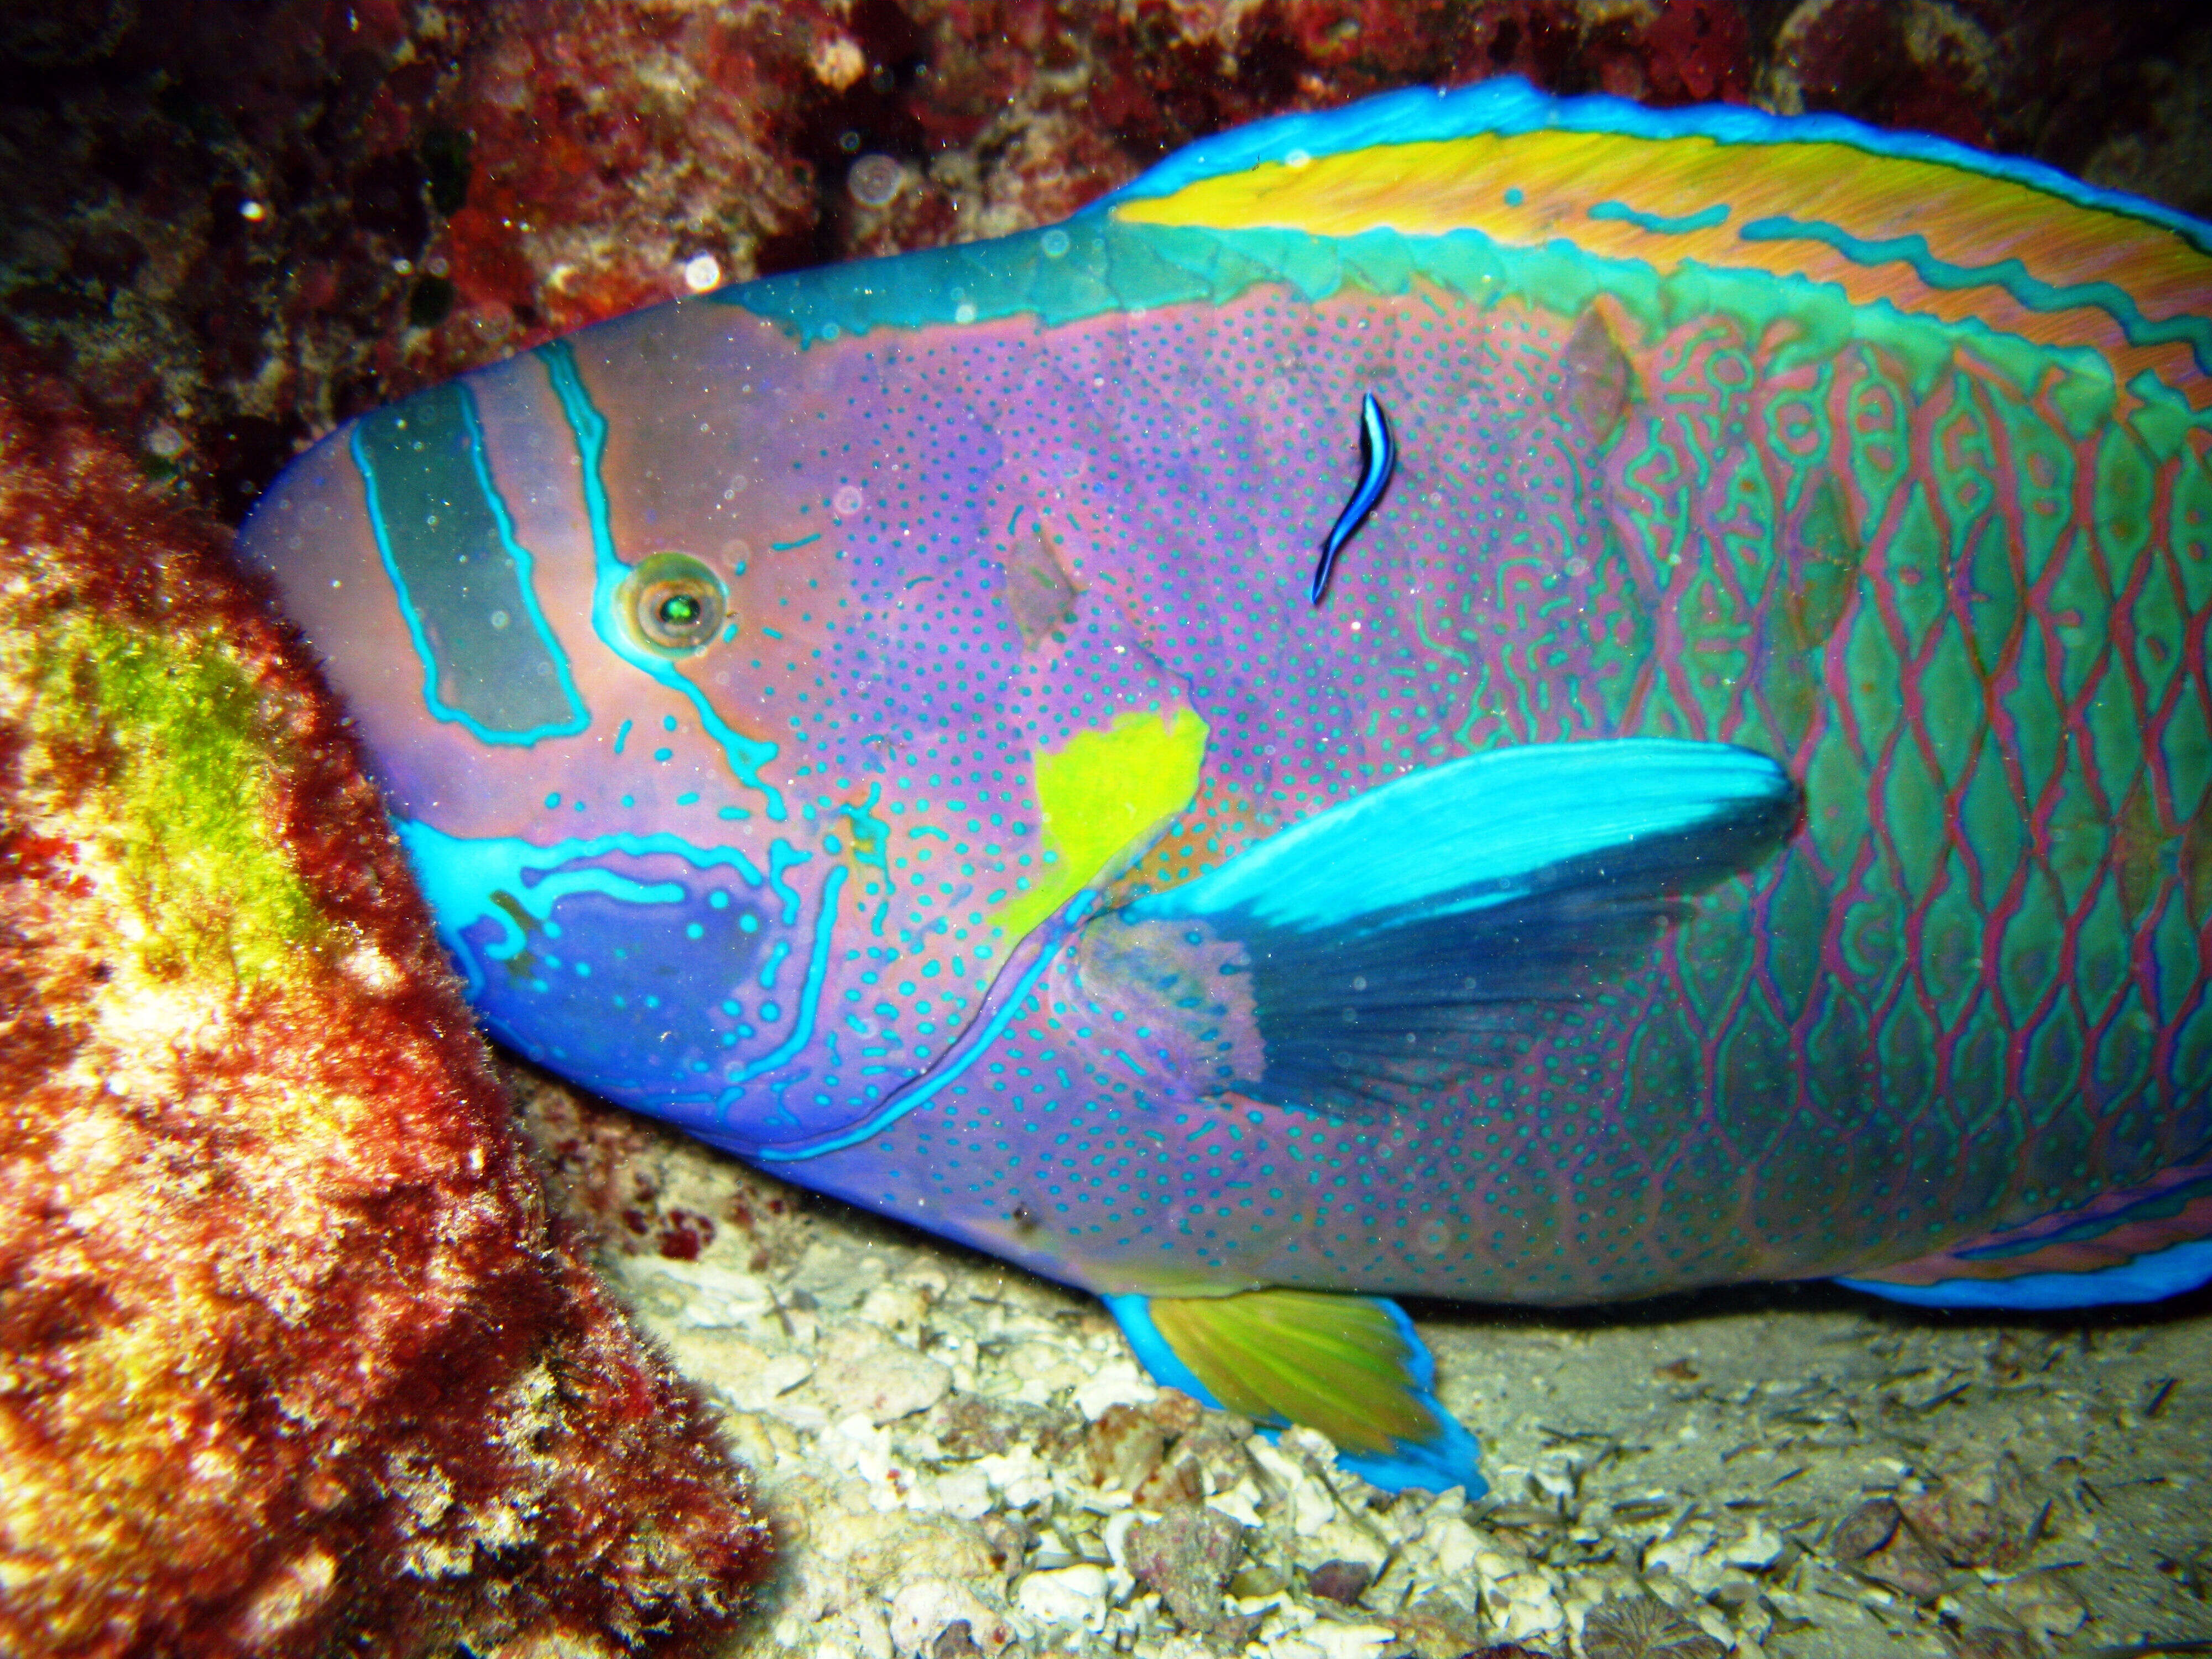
(1644, 1627)
(289, 1360)
(1342, 1582)
(1187, 1555)
(863, 1372)
(1123, 1448)
(971, 1426)
(1978, 1517)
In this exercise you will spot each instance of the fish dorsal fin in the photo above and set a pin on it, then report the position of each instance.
(1923, 226)
(1508, 107)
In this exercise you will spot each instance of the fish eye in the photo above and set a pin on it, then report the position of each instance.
(673, 604)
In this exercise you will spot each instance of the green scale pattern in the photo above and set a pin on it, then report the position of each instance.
(1967, 614)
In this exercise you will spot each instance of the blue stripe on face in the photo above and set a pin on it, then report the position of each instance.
(462, 579)
(588, 427)
(1378, 456)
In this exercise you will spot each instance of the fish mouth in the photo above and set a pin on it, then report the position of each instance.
(1025, 966)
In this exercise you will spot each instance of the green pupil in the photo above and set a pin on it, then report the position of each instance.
(680, 610)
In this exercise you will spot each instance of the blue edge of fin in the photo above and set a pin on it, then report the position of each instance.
(1509, 105)
(1452, 1459)
(2150, 1278)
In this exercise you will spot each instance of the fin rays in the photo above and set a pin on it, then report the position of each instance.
(1276, 1352)
(1351, 1366)
(1428, 928)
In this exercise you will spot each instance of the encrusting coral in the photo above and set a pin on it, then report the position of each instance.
(291, 1362)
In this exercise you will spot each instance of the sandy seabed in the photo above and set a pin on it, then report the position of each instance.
(964, 1459)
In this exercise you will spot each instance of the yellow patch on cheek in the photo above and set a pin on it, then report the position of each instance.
(1101, 799)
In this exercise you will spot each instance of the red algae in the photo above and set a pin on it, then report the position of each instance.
(290, 1358)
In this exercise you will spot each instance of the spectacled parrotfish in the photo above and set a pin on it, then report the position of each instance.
(1474, 697)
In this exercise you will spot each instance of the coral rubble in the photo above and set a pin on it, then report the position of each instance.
(290, 1361)
(1787, 1473)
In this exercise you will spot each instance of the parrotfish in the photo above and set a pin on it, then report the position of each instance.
(1474, 697)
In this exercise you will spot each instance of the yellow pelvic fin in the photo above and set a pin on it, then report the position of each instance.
(1339, 1363)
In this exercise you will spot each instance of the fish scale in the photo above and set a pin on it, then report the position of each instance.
(1738, 810)
(1895, 643)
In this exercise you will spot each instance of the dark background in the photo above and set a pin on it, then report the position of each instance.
(232, 223)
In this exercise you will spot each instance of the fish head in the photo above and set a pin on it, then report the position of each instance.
(687, 679)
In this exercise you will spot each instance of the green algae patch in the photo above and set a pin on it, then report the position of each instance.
(172, 735)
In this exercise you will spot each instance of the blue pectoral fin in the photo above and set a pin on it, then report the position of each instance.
(1350, 1366)
(1410, 936)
